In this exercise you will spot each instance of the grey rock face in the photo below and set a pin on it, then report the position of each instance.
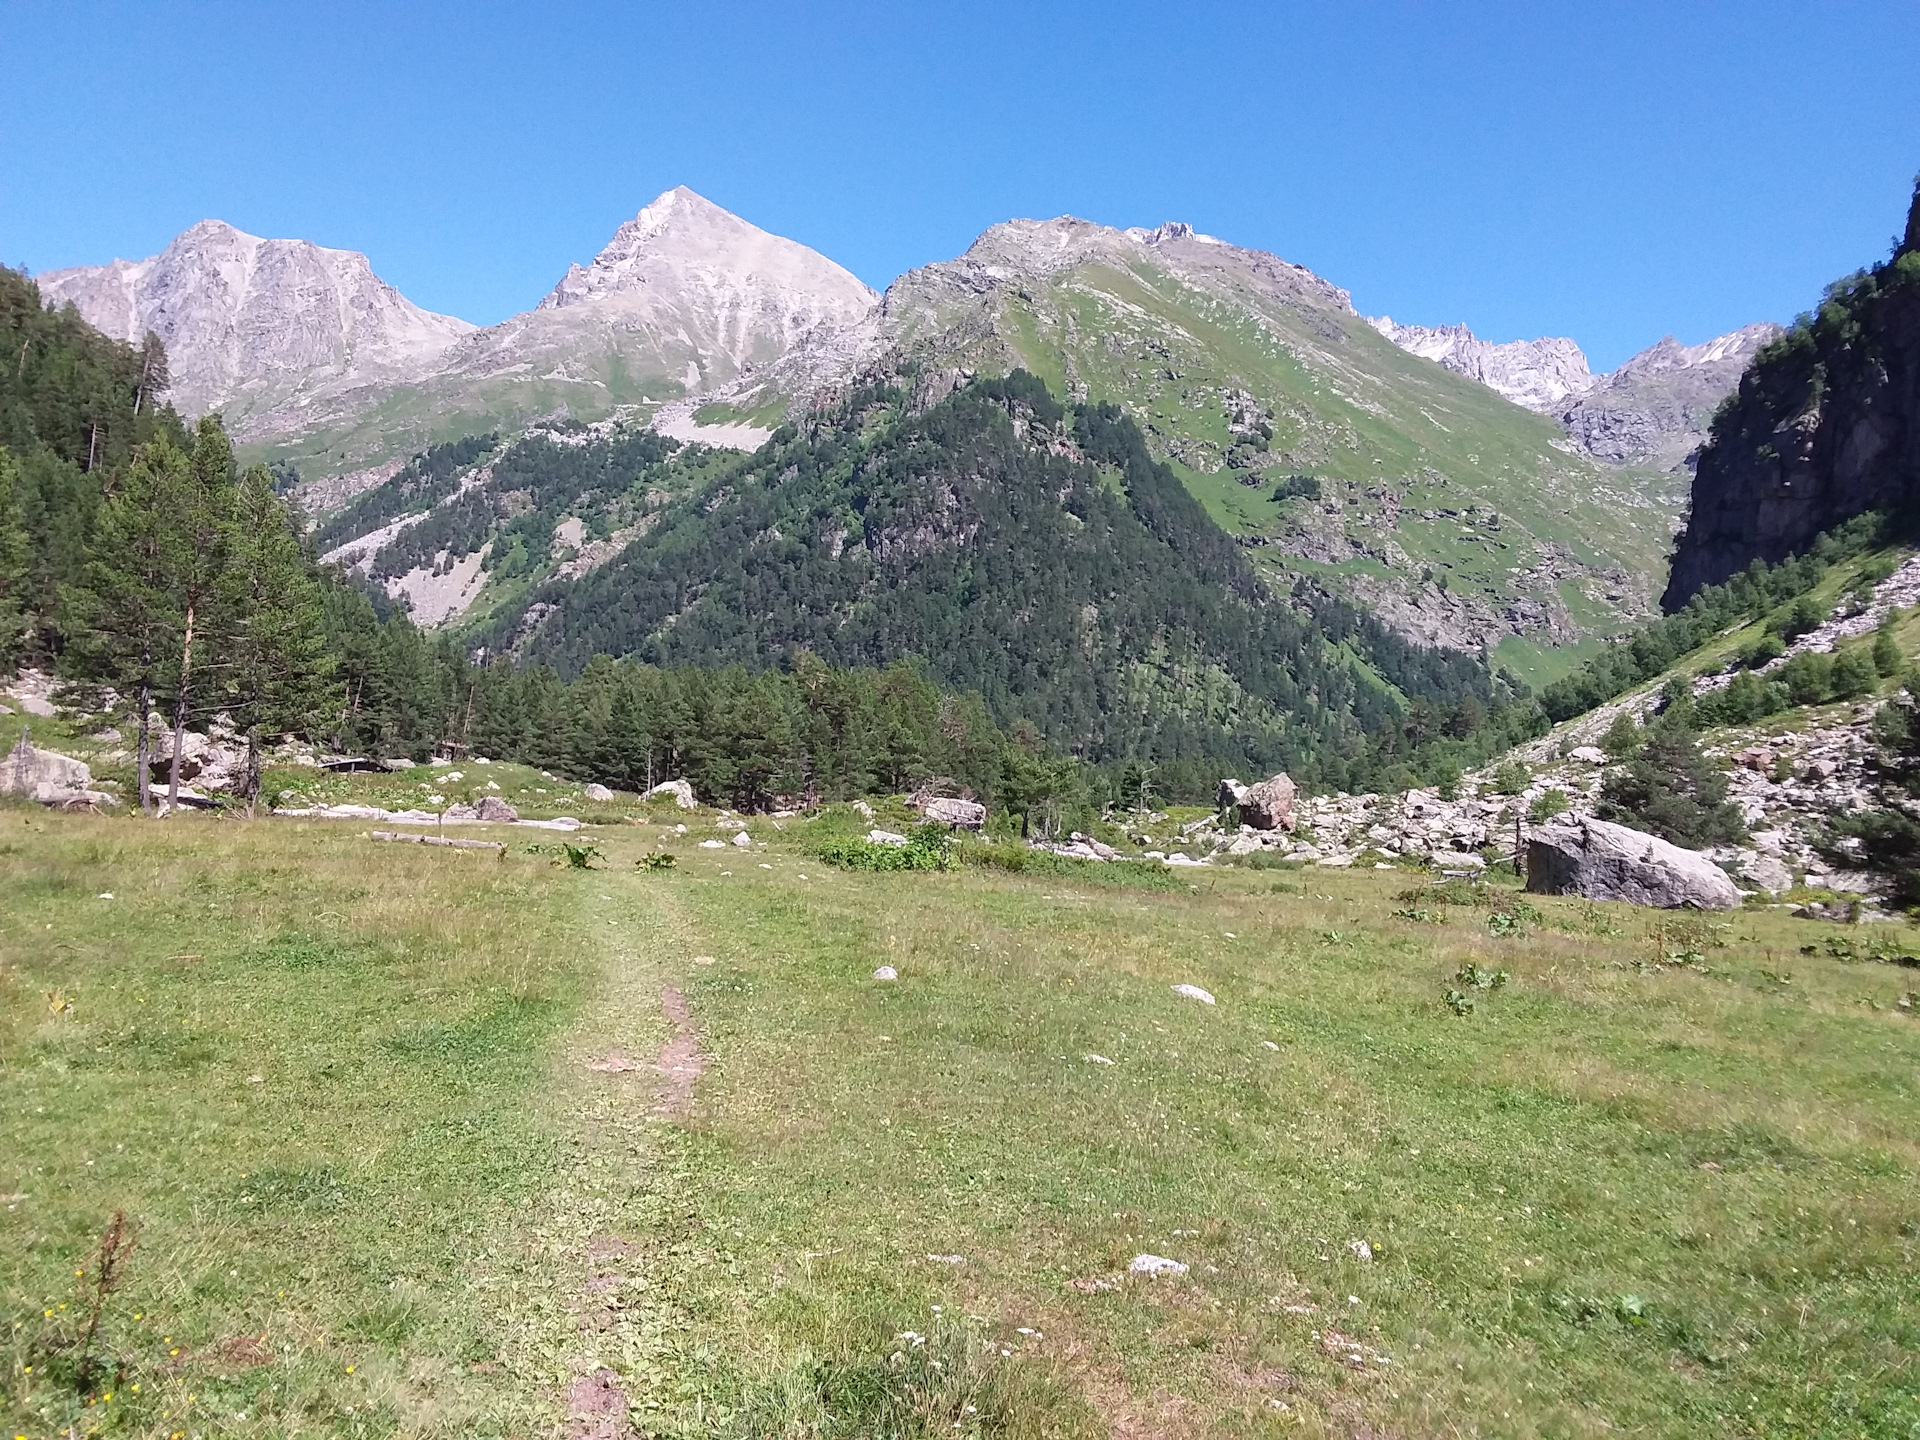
(1822, 430)
(1605, 861)
(251, 324)
(1655, 409)
(1538, 374)
(679, 791)
(599, 794)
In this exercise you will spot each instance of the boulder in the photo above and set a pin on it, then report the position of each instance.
(209, 763)
(1231, 792)
(1588, 755)
(495, 810)
(1604, 861)
(885, 837)
(961, 814)
(1269, 805)
(1767, 873)
(680, 790)
(42, 774)
(599, 794)
(1456, 860)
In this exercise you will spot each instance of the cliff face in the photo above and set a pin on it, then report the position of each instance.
(1826, 425)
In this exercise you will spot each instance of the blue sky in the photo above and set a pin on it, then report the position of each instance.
(1613, 172)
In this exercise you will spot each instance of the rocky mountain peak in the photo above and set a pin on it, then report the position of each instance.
(682, 239)
(250, 322)
(1535, 373)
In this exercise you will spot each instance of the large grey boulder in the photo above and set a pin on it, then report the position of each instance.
(599, 794)
(27, 769)
(1230, 792)
(680, 791)
(1269, 805)
(1605, 861)
(941, 810)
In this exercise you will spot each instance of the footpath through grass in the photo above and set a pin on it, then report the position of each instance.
(388, 1121)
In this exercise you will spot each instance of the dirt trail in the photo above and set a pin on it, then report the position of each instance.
(680, 1062)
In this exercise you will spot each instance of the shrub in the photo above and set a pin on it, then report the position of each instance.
(1510, 779)
(1887, 658)
(1749, 698)
(1768, 648)
(1548, 804)
(1808, 677)
(929, 848)
(1854, 674)
(1622, 740)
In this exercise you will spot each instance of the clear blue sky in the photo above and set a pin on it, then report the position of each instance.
(1609, 171)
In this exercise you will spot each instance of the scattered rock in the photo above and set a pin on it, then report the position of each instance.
(599, 794)
(742, 840)
(865, 810)
(1093, 1059)
(1604, 861)
(1154, 1265)
(1193, 992)
(885, 837)
(1230, 792)
(1456, 860)
(1361, 1249)
(713, 844)
(886, 972)
(680, 790)
(1588, 755)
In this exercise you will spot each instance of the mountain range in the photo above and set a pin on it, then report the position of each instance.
(1329, 446)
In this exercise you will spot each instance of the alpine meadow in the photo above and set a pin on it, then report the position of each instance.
(1089, 843)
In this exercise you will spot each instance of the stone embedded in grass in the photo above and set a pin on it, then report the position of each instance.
(948, 1259)
(1269, 1044)
(1094, 1059)
(599, 794)
(1154, 1265)
(743, 839)
(705, 960)
(1193, 992)
(1361, 1249)
(713, 844)
(886, 972)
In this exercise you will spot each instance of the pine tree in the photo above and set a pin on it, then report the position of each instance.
(1671, 788)
(126, 605)
(15, 563)
(199, 530)
(278, 671)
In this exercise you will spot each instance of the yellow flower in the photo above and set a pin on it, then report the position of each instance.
(349, 1369)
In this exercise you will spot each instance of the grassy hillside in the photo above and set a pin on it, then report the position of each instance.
(1457, 514)
(389, 1123)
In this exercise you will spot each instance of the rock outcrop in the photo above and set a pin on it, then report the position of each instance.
(943, 810)
(1826, 425)
(1604, 861)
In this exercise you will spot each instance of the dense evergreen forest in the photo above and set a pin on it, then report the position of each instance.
(992, 591)
(1042, 561)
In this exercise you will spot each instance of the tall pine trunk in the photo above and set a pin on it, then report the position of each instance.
(251, 787)
(180, 715)
(143, 751)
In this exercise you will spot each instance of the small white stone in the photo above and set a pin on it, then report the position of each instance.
(1193, 992)
(886, 972)
(743, 840)
(1154, 1265)
(1269, 1044)
(713, 844)
(1361, 1249)
(1096, 1059)
(104, 895)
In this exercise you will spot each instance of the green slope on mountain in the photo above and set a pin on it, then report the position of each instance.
(1046, 562)
(1458, 517)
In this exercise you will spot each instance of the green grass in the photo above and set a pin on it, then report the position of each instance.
(1620, 1195)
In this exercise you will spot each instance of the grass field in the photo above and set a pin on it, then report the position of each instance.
(1665, 1180)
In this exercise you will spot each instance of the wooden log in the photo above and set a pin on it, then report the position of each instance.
(436, 840)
